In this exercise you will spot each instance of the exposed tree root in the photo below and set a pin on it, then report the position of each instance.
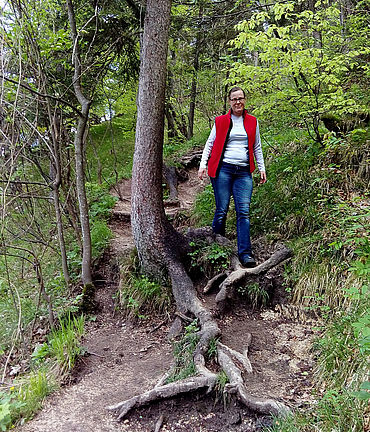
(236, 357)
(237, 386)
(227, 287)
(235, 364)
(215, 281)
(205, 379)
(191, 160)
(159, 423)
(170, 177)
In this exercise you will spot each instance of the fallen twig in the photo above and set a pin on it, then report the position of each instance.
(159, 423)
(184, 317)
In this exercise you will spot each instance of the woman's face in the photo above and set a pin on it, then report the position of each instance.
(237, 102)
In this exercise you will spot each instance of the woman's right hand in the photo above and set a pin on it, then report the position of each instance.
(202, 173)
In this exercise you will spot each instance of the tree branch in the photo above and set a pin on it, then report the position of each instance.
(43, 95)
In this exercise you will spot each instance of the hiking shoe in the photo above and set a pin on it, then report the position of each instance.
(248, 261)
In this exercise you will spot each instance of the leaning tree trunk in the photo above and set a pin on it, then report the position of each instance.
(152, 232)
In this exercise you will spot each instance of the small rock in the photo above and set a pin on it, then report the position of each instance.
(235, 419)
(15, 370)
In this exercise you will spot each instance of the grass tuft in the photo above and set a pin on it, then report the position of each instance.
(183, 352)
(255, 294)
(138, 294)
(33, 391)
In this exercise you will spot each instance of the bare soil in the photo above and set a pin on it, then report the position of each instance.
(125, 358)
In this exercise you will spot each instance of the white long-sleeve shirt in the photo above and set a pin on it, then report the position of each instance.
(236, 151)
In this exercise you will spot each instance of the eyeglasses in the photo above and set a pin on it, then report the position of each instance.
(237, 99)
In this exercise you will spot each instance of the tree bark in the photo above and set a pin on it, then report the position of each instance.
(79, 143)
(193, 94)
(57, 180)
(153, 235)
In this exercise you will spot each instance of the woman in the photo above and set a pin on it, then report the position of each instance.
(229, 152)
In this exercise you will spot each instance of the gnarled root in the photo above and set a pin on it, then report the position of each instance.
(236, 385)
(215, 281)
(205, 379)
(234, 363)
(228, 285)
(163, 392)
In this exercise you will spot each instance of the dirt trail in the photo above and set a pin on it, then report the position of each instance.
(126, 359)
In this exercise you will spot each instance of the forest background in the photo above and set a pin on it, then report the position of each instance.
(69, 76)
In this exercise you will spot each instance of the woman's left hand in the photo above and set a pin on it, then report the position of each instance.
(263, 177)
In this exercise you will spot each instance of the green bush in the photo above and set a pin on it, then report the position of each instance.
(204, 207)
(112, 147)
(9, 404)
(336, 411)
(65, 343)
(100, 237)
(289, 201)
(209, 258)
(25, 398)
(100, 201)
(33, 391)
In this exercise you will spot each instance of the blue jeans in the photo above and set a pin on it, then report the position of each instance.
(237, 181)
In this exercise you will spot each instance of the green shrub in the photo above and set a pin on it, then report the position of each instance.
(288, 202)
(209, 258)
(204, 207)
(64, 344)
(100, 201)
(336, 411)
(112, 147)
(9, 404)
(25, 398)
(344, 348)
(100, 237)
(33, 391)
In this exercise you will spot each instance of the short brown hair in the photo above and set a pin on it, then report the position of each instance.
(235, 89)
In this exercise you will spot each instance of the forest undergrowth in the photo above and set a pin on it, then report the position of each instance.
(37, 357)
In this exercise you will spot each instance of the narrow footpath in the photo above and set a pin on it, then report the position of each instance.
(125, 358)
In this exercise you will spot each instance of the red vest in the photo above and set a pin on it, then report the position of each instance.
(223, 128)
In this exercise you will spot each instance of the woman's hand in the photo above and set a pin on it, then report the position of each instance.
(263, 177)
(202, 173)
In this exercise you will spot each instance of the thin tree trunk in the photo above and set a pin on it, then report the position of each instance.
(62, 245)
(79, 143)
(193, 94)
(57, 180)
(70, 199)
